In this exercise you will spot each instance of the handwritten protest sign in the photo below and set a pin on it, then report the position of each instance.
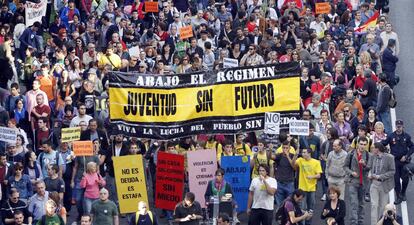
(71, 134)
(8, 134)
(82, 148)
(186, 32)
(35, 11)
(151, 6)
(322, 8)
(169, 180)
(130, 182)
(202, 165)
(237, 170)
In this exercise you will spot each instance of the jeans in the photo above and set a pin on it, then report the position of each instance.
(87, 204)
(308, 203)
(397, 176)
(283, 191)
(261, 217)
(385, 118)
(110, 184)
(356, 194)
(77, 194)
(379, 198)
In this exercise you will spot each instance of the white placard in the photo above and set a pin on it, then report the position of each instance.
(272, 122)
(299, 127)
(8, 134)
(34, 12)
(230, 63)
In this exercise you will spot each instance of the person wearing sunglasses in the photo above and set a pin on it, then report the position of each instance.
(11, 206)
(21, 182)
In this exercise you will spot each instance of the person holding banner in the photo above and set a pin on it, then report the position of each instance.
(260, 203)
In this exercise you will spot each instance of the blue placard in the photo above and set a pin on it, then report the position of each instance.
(237, 173)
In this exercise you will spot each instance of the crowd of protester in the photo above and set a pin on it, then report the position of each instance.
(54, 75)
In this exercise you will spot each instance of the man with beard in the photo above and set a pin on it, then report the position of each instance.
(351, 118)
(355, 103)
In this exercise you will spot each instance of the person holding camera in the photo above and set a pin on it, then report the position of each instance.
(381, 175)
(401, 148)
(390, 216)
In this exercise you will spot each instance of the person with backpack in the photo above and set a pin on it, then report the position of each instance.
(49, 157)
(262, 156)
(310, 171)
(50, 217)
(143, 216)
(241, 148)
(290, 212)
(356, 167)
(334, 167)
(284, 163)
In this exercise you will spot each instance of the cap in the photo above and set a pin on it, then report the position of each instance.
(399, 123)
(289, 46)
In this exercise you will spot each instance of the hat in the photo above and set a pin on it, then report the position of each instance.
(399, 123)
(328, 74)
(289, 46)
(11, 144)
(176, 15)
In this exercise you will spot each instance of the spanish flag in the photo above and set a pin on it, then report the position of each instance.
(371, 22)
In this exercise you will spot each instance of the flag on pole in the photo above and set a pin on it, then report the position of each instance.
(371, 22)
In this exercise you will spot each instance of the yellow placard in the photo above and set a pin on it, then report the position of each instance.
(322, 8)
(219, 100)
(71, 134)
(130, 182)
(186, 32)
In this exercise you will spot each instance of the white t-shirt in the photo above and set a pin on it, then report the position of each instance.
(261, 199)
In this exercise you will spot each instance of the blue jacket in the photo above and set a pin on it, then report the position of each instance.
(24, 186)
(29, 38)
(64, 16)
(400, 145)
(389, 61)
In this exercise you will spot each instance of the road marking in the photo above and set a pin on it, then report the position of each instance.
(404, 211)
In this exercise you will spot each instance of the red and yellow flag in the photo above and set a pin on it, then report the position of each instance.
(371, 22)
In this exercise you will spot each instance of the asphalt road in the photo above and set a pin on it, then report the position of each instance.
(403, 25)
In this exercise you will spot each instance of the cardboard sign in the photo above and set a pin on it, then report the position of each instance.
(8, 134)
(237, 170)
(186, 32)
(71, 134)
(169, 180)
(151, 6)
(202, 165)
(272, 123)
(322, 8)
(82, 148)
(299, 127)
(130, 182)
(230, 63)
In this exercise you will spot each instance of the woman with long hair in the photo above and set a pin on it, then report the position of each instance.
(32, 168)
(305, 88)
(370, 120)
